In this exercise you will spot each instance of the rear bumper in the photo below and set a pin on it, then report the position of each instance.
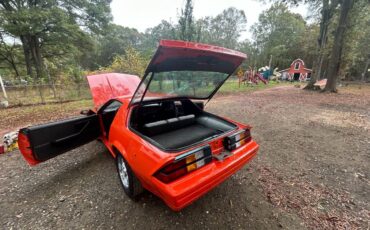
(184, 191)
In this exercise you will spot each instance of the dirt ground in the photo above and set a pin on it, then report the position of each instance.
(312, 172)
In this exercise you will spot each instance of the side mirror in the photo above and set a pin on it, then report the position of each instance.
(86, 112)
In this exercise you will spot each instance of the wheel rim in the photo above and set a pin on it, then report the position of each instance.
(123, 172)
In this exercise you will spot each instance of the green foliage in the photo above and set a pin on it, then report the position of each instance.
(72, 35)
(186, 22)
(253, 53)
(76, 74)
(279, 32)
(308, 43)
(131, 62)
(10, 55)
(114, 42)
(164, 30)
(53, 30)
(224, 29)
(357, 51)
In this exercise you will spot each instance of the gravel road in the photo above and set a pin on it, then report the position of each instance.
(311, 172)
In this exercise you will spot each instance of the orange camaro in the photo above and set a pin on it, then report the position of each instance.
(156, 129)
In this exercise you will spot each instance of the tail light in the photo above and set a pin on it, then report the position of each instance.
(25, 147)
(184, 164)
(238, 139)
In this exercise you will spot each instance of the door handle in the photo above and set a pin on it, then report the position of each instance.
(72, 136)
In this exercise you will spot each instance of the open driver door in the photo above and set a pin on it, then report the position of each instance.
(42, 142)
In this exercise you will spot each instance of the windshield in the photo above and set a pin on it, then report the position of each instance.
(192, 84)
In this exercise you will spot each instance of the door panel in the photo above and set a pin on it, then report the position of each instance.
(42, 142)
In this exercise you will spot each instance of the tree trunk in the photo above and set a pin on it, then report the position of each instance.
(31, 50)
(36, 56)
(14, 66)
(50, 80)
(34, 46)
(326, 15)
(336, 52)
(363, 75)
(26, 52)
(319, 65)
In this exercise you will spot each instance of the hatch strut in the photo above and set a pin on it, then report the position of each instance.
(146, 88)
(137, 91)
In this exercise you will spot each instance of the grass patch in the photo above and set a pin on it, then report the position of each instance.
(232, 86)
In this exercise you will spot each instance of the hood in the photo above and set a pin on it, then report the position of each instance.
(107, 86)
(174, 55)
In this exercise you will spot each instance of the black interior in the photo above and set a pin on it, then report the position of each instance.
(175, 124)
(108, 113)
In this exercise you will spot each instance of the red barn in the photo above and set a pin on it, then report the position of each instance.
(297, 71)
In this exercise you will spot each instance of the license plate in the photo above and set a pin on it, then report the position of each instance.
(223, 155)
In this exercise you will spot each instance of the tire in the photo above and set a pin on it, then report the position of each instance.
(131, 185)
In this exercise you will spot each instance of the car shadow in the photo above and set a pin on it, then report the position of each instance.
(222, 206)
(60, 174)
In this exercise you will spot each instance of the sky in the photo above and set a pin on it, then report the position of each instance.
(143, 14)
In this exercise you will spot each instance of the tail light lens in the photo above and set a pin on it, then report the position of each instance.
(25, 147)
(238, 139)
(184, 164)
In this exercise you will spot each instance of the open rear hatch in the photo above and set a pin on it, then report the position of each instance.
(187, 69)
(179, 71)
(180, 56)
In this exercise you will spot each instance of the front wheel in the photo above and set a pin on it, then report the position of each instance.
(131, 185)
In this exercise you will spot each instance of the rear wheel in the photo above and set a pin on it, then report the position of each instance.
(131, 185)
